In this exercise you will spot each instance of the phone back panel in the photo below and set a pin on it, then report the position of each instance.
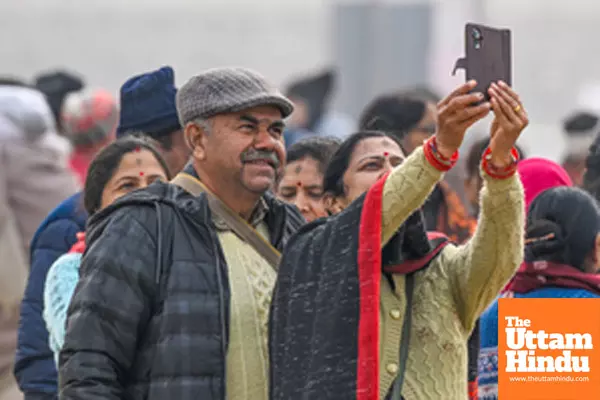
(488, 56)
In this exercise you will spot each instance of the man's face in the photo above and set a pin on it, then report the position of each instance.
(179, 153)
(246, 148)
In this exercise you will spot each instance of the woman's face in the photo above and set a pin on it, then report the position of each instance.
(137, 170)
(372, 158)
(302, 185)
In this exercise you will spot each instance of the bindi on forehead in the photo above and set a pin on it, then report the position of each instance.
(298, 169)
(141, 173)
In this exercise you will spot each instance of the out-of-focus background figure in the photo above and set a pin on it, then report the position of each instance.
(89, 121)
(312, 109)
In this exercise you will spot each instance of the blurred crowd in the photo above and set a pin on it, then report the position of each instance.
(248, 275)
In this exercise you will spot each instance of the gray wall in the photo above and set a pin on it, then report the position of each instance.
(555, 54)
(109, 40)
(378, 48)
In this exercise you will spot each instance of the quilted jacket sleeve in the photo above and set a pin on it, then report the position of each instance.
(111, 303)
(35, 369)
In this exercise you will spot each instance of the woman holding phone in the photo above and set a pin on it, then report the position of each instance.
(367, 305)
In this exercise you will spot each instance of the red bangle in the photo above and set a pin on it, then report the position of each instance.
(500, 173)
(437, 160)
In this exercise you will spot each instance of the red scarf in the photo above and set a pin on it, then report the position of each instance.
(79, 246)
(539, 274)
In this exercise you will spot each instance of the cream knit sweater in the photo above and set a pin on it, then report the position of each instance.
(251, 281)
(453, 291)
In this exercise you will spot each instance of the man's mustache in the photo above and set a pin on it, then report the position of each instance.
(255, 155)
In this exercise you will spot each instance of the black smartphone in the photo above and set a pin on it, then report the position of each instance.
(488, 56)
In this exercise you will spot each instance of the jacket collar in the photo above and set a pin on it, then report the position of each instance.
(258, 215)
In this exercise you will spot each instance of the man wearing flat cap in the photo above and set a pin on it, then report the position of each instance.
(175, 287)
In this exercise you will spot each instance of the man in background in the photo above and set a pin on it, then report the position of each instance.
(56, 85)
(580, 129)
(148, 107)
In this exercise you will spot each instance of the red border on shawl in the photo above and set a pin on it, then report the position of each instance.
(369, 277)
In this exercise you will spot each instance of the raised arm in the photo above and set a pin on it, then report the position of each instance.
(480, 269)
(408, 186)
(406, 189)
(109, 307)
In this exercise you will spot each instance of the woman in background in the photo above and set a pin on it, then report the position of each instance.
(126, 165)
(302, 180)
(352, 289)
(562, 258)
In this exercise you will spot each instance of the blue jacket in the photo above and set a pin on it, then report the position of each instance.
(35, 370)
(60, 286)
(488, 356)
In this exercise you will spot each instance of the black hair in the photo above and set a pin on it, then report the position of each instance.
(424, 93)
(396, 113)
(315, 91)
(164, 141)
(320, 149)
(106, 162)
(580, 122)
(562, 225)
(56, 85)
(163, 138)
(476, 153)
(13, 81)
(591, 177)
(333, 179)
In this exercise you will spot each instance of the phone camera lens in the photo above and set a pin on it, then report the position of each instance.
(477, 38)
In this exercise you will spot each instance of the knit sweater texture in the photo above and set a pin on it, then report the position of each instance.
(251, 280)
(452, 292)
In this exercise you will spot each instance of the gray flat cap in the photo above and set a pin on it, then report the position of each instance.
(225, 90)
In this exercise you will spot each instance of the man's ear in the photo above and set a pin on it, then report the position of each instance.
(196, 138)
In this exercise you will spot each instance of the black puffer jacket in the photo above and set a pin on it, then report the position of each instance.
(149, 318)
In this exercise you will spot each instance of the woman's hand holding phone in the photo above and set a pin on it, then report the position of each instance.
(457, 113)
(510, 119)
